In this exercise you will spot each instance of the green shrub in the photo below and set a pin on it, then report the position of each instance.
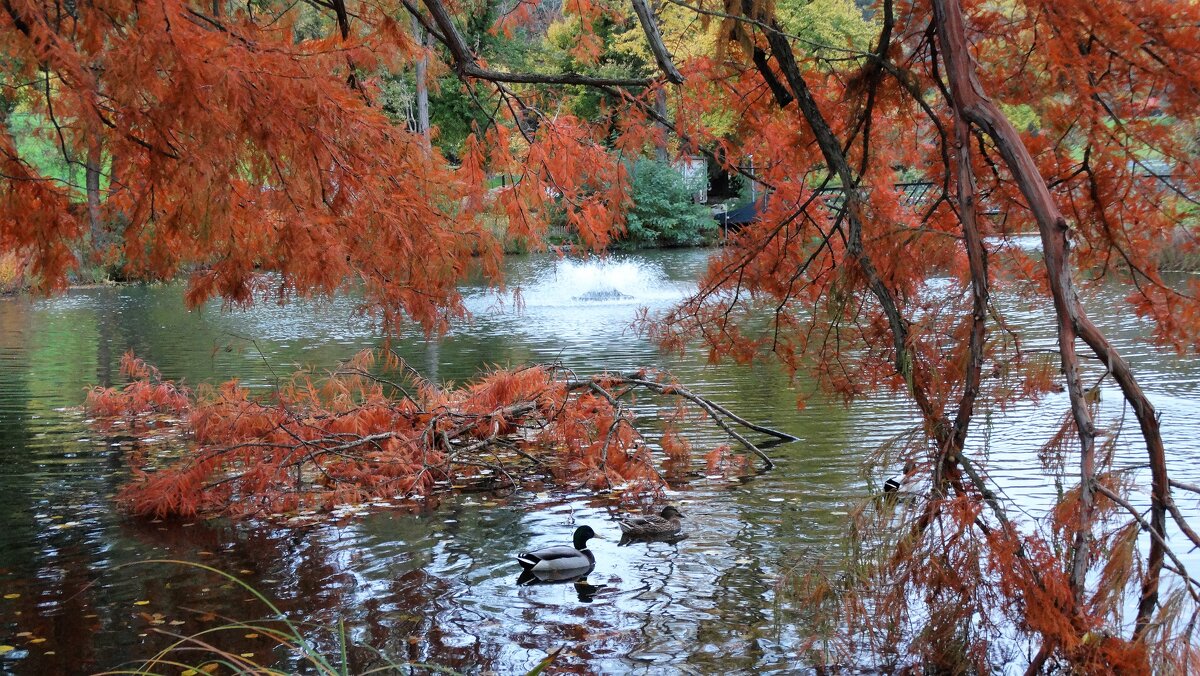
(663, 211)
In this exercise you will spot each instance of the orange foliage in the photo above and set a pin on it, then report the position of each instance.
(348, 438)
(145, 395)
(254, 161)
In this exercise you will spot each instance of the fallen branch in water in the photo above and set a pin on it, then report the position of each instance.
(359, 436)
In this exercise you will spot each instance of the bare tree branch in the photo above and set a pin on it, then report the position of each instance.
(650, 28)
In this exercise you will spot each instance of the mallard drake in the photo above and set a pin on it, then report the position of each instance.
(561, 558)
(666, 523)
(904, 483)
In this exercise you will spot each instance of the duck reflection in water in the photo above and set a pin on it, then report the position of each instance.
(578, 577)
(673, 538)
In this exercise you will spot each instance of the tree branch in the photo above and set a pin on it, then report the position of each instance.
(650, 28)
(466, 65)
(971, 101)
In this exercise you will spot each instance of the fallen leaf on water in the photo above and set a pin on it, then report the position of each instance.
(247, 655)
(25, 634)
(141, 603)
(176, 623)
(37, 640)
(6, 649)
(251, 635)
(12, 596)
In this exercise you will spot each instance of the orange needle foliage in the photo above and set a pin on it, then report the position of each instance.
(356, 437)
(236, 149)
(252, 160)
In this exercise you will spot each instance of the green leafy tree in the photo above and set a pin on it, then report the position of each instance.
(826, 27)
(663, 211)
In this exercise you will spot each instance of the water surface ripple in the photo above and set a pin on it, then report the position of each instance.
(435, 583)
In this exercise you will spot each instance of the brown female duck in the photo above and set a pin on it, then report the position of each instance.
(666, 523)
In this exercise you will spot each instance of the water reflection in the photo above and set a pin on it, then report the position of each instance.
(433, 582)
(576, 577)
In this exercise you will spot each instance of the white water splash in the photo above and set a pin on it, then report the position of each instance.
(596, 281)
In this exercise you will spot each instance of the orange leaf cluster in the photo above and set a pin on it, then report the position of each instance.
(353, 437)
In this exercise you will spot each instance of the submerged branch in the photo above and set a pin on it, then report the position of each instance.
(712, 412)
(357, 436)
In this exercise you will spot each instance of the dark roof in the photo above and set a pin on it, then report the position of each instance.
(742, 215)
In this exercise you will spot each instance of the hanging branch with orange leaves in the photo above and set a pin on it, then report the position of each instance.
(254, 163)
(843, 277)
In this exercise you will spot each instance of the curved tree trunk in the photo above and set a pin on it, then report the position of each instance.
(971, 102)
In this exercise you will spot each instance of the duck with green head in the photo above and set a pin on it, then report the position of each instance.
(560, 558)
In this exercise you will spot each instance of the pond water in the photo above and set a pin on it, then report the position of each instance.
(435, 583)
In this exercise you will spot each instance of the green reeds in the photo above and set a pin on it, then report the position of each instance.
(200, 654)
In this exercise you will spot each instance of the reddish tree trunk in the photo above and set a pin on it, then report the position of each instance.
(971, 102)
